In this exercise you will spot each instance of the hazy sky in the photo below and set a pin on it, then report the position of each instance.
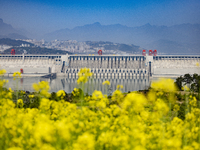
(42, 16)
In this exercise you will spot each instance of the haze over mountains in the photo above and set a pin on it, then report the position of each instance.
(7, 31)
(177, 39)
(184, 38)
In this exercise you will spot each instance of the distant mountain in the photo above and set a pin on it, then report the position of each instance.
(7, 31)
(90, 32)
(177, 39)
(184, 38)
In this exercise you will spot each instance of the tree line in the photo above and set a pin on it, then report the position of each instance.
(191, 81)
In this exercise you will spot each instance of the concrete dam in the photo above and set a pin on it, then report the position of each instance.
(109, 66)
(102, 66)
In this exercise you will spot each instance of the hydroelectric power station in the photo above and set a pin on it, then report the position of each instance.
(102, 66)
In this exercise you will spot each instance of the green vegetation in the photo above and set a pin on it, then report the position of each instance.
(35, 50)
(115, 46)
(10, 42)
(32, 49)
(192, 82)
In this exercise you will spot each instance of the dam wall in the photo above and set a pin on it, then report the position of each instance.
(30, 64)
(102, 66)
(108, 66)
(175, 65)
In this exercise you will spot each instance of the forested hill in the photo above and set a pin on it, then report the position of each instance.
(30, 49)
(10, 42)
(35, 50)
(130, 48)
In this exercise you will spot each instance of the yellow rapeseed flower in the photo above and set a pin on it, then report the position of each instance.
(151, 96)
(119, 86)
(3, 82)
(84, 74)
(60, 93)
(14, 148)
(185, 88)
(134, 102)
(10, 89)
(193, 101)
(106, 82)
(164, 84)
(2, 72)
(36, 87)
(96, 95)
(20, 103)
(117, 96)
(176, 107)
(16, 74)
(43, 87)
(82, 79)
(85, 141)
(75, 92)
(161, 107)
(31, 96)
(126, 121)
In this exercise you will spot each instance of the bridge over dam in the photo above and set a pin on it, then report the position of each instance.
(103, 66)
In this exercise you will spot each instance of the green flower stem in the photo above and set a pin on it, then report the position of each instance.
(186, 111)
(82, 94)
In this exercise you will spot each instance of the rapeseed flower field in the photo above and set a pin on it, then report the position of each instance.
(123, 121)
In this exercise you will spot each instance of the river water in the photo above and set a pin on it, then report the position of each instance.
(68, 84)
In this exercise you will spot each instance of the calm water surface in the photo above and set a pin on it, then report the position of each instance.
(68, 84)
